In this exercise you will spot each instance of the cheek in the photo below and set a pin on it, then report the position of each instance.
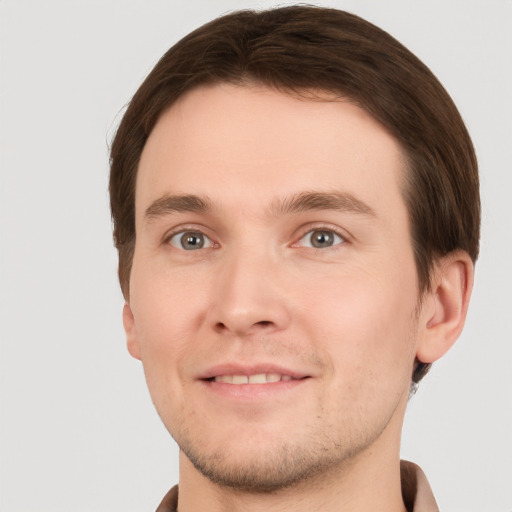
(168, 307)
(167, 304)
(364, 323)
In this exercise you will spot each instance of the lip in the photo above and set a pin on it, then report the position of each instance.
(251, 393)
(237, 369)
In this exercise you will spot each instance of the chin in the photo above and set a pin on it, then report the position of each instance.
(265, 467)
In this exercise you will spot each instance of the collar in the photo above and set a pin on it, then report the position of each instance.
(416, 491)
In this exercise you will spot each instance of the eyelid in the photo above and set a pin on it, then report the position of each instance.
(207, 243)
(302, 232)
(184, 228)
(346, 237)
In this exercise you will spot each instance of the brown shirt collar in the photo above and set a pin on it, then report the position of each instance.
(416, 492)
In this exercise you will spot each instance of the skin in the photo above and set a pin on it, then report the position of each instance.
(343, 318)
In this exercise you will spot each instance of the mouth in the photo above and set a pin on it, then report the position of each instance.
(256, 378)
(262, 384)
(253, 381)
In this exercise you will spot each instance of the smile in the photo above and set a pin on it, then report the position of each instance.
(251, 384)
(258, 378)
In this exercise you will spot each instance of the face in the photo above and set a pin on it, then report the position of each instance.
(273, 290)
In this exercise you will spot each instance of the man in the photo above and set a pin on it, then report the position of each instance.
(296, 209)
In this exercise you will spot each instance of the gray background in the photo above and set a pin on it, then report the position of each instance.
(78, 431)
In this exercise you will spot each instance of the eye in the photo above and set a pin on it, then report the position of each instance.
(321, 239)
(190, 241)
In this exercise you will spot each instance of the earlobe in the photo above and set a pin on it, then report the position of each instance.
(444, 309)
(132, 339)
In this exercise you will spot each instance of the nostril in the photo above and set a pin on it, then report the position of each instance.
(221, 326)
(264, 323)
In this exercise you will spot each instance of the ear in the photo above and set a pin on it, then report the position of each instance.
(444, 308)
(132, 338)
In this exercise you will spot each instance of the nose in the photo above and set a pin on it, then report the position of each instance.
(250, 296)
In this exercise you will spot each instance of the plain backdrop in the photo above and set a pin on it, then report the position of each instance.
(78, 430)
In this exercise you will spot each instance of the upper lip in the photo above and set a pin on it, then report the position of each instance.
(252, 369)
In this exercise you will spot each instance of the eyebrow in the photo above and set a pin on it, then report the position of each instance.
(311, 201)
(302, 202)
(176, 204)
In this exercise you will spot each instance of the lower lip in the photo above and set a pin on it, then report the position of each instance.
(251, 392)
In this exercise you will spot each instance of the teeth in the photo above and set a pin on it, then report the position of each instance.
(259, 378)
(228, 379)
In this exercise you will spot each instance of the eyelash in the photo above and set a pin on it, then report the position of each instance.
(167, 239)
(326, 228)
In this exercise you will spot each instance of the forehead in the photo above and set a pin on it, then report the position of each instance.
(228, 141)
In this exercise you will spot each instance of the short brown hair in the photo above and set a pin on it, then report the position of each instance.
(300, 48)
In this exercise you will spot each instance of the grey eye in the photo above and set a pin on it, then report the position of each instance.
(320, 239)
(190, 241)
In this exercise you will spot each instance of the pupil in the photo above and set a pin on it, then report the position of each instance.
(322, 239)
(192, 241)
